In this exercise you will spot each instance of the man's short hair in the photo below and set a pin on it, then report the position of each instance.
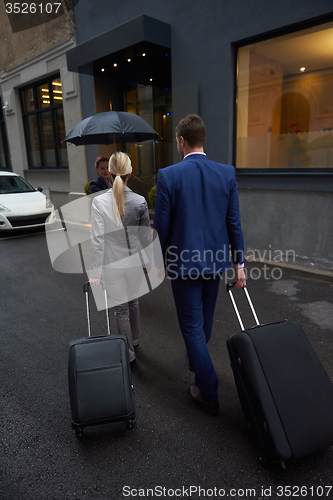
(193, 129)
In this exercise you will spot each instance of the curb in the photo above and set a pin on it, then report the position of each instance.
(294, 270)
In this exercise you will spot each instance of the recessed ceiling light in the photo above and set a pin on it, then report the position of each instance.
(115, 65)
(151, 80)
(302, 69)
(102, 70)
(129, 60)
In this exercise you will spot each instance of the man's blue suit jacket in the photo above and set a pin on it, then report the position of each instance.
(197, 216)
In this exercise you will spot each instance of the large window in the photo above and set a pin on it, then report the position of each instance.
(285, 102)
(44, 124)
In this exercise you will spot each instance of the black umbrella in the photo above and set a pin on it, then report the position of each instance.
(111, 127)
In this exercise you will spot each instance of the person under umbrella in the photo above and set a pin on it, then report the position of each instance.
(103, 180)
(120, 255)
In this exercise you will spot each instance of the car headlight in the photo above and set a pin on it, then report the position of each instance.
(49, 203)
(3, 208)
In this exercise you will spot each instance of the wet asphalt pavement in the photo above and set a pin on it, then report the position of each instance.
(176, 450)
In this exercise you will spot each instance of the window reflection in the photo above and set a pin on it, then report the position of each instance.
(284, 103)
(48, 139)
(44, 98)
(33, 150)
(61, 133)
(28, 100)
(56, 90)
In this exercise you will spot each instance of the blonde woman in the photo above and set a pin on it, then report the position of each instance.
(120, 236)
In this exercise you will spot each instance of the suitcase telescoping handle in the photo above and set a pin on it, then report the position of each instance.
(86, 287)
(229, 290)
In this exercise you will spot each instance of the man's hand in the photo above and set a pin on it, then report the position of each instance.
(94, 282)
(241, 280)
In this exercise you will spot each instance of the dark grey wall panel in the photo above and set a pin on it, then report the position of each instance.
(294, 221)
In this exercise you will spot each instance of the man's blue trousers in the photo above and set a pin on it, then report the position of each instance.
(195, 299)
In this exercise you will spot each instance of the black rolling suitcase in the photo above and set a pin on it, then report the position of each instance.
(99, 378)
(285, 393)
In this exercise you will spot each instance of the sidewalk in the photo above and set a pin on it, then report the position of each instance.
(293, 269)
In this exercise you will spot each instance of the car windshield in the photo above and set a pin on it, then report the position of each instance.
(12, 184)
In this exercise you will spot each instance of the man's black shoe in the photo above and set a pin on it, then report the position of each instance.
(211, 408)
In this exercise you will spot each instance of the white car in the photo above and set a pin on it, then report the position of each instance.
(21, 205)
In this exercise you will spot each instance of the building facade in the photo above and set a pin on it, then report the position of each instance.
(40, 98)
(259, 74)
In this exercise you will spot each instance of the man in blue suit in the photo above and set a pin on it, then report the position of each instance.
(197, 219)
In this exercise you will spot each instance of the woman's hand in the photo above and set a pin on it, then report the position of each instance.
(94, 282)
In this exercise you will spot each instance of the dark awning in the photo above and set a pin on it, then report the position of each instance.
(140, 29)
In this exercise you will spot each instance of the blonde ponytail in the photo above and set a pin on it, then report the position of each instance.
(119, 167)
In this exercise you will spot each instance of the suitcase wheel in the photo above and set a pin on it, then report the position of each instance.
(79, 432)
(130, 424)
